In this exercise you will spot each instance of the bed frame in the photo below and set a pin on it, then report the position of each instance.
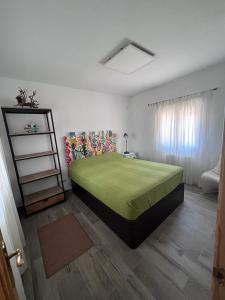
(133, 232)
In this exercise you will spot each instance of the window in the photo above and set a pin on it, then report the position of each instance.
(178, 126)
(185, 132)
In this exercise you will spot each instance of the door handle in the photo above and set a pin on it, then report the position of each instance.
(19, 257)
(17, 253)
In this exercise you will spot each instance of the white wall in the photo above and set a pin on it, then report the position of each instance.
(73, 110)
(196, 82)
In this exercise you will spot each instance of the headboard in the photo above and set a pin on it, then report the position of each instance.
(84, 144)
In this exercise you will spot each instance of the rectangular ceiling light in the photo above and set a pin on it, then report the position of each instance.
(129, 59)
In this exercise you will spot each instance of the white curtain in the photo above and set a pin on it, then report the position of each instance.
(183, 130)
(9, 221)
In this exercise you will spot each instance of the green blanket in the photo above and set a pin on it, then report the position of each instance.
(128, 186)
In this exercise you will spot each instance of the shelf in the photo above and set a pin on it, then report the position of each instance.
(34, 155)
(40, 205)
(28, 134)
(25, 110)
(42, 195)
(42, 199)
(38, 176)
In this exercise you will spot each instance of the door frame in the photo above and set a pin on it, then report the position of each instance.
(7, 283)
(218, 276)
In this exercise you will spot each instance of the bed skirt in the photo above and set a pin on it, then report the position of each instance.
(133, 232)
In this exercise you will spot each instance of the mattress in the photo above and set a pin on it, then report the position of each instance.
(128, 186)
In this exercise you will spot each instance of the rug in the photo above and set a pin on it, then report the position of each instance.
(61, 242)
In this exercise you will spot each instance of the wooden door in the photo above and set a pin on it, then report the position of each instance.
(218, 282)
(7, 284)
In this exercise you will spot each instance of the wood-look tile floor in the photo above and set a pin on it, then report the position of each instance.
(174, 263)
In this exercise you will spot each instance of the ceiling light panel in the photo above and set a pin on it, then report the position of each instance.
(129, 59)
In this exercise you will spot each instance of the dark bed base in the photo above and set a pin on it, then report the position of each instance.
(133, 232)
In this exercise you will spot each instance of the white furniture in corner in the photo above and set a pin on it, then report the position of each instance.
(209, 180)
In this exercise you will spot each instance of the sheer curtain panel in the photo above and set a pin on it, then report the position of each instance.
(183, 132)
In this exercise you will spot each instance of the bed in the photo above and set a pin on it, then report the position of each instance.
(131, 196)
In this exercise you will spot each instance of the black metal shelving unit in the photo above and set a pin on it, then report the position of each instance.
(39, 200)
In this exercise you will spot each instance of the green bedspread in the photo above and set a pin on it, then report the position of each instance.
(128, 186)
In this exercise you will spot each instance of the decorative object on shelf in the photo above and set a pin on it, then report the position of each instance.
(125, 135)
(82, 145)
(130, 155)
(31, 127)
(22, 99)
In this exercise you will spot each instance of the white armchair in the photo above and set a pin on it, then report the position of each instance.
(209, 180)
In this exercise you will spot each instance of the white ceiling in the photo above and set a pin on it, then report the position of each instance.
(62, 42)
